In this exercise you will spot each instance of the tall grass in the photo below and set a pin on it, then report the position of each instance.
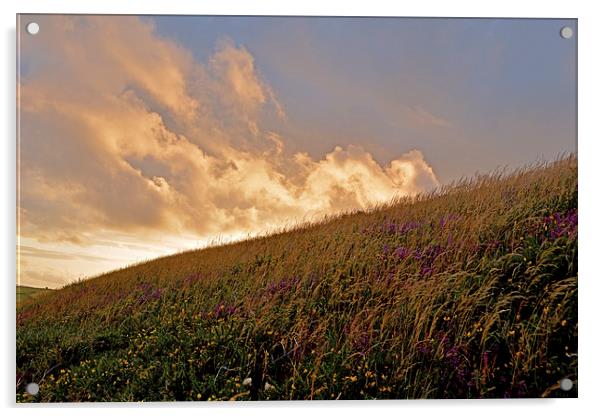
(468, 292)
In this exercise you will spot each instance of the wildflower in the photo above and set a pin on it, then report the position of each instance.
(268, 386)
(393, 228)
(424, 348)
(402, 252)
(560, 224)
(198, 396)
(192, 279)
(247, 382)
(426, 270)
(283, 286)
(446, 219)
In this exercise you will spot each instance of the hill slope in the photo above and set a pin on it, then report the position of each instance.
(471, 292)
(27, 292)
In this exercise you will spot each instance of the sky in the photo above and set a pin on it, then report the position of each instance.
(145, 136)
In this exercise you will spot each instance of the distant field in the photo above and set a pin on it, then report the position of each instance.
(27, 292)
(470, 292)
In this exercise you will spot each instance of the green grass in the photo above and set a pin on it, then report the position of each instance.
(468, 292)
(27, 292)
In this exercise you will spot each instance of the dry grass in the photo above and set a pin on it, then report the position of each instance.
(470, 291)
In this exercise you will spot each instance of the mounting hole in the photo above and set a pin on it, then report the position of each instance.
(32, 388)
(32, 28)
(566, 384)
(566, 32)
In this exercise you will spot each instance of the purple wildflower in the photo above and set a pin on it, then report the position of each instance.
(402, 252)
(282, 286)
(400, 229)
(191, 279)
(149, 293)
(560, 224)
(111, 297)
(424, 348)
(446, 219)
(223, 310)
(426, 270)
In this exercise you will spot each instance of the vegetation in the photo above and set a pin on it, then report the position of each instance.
(26, 292)
(469, 292)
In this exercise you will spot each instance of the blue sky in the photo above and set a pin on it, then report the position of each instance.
(500, 91)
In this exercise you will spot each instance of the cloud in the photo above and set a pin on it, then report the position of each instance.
(27, 251)
(351, 179)
(47, 277)
(122, 130)
(420, 115)
(239, 84)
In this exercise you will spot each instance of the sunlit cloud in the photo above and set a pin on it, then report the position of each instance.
(124, 133)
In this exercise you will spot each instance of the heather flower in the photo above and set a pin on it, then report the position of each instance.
(282, 286)
(400, 229)
(391, 227)
(402, 252)
(446, 219)
(192, 279)
(426, 270)
(559, 224)
(424, 348)
(222, 310)
(155, 294)
(149, 293)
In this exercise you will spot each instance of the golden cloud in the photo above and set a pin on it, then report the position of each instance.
(123, 130)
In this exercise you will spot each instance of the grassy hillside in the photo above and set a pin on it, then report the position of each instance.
(470, 292)
(27, 292)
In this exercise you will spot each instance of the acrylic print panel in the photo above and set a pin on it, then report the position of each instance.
(283, 208)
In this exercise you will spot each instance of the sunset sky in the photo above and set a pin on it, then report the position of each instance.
(143, 136)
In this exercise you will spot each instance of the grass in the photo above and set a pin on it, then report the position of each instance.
(469, 292)
(27, 292)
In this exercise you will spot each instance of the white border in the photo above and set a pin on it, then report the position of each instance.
(590, 232)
